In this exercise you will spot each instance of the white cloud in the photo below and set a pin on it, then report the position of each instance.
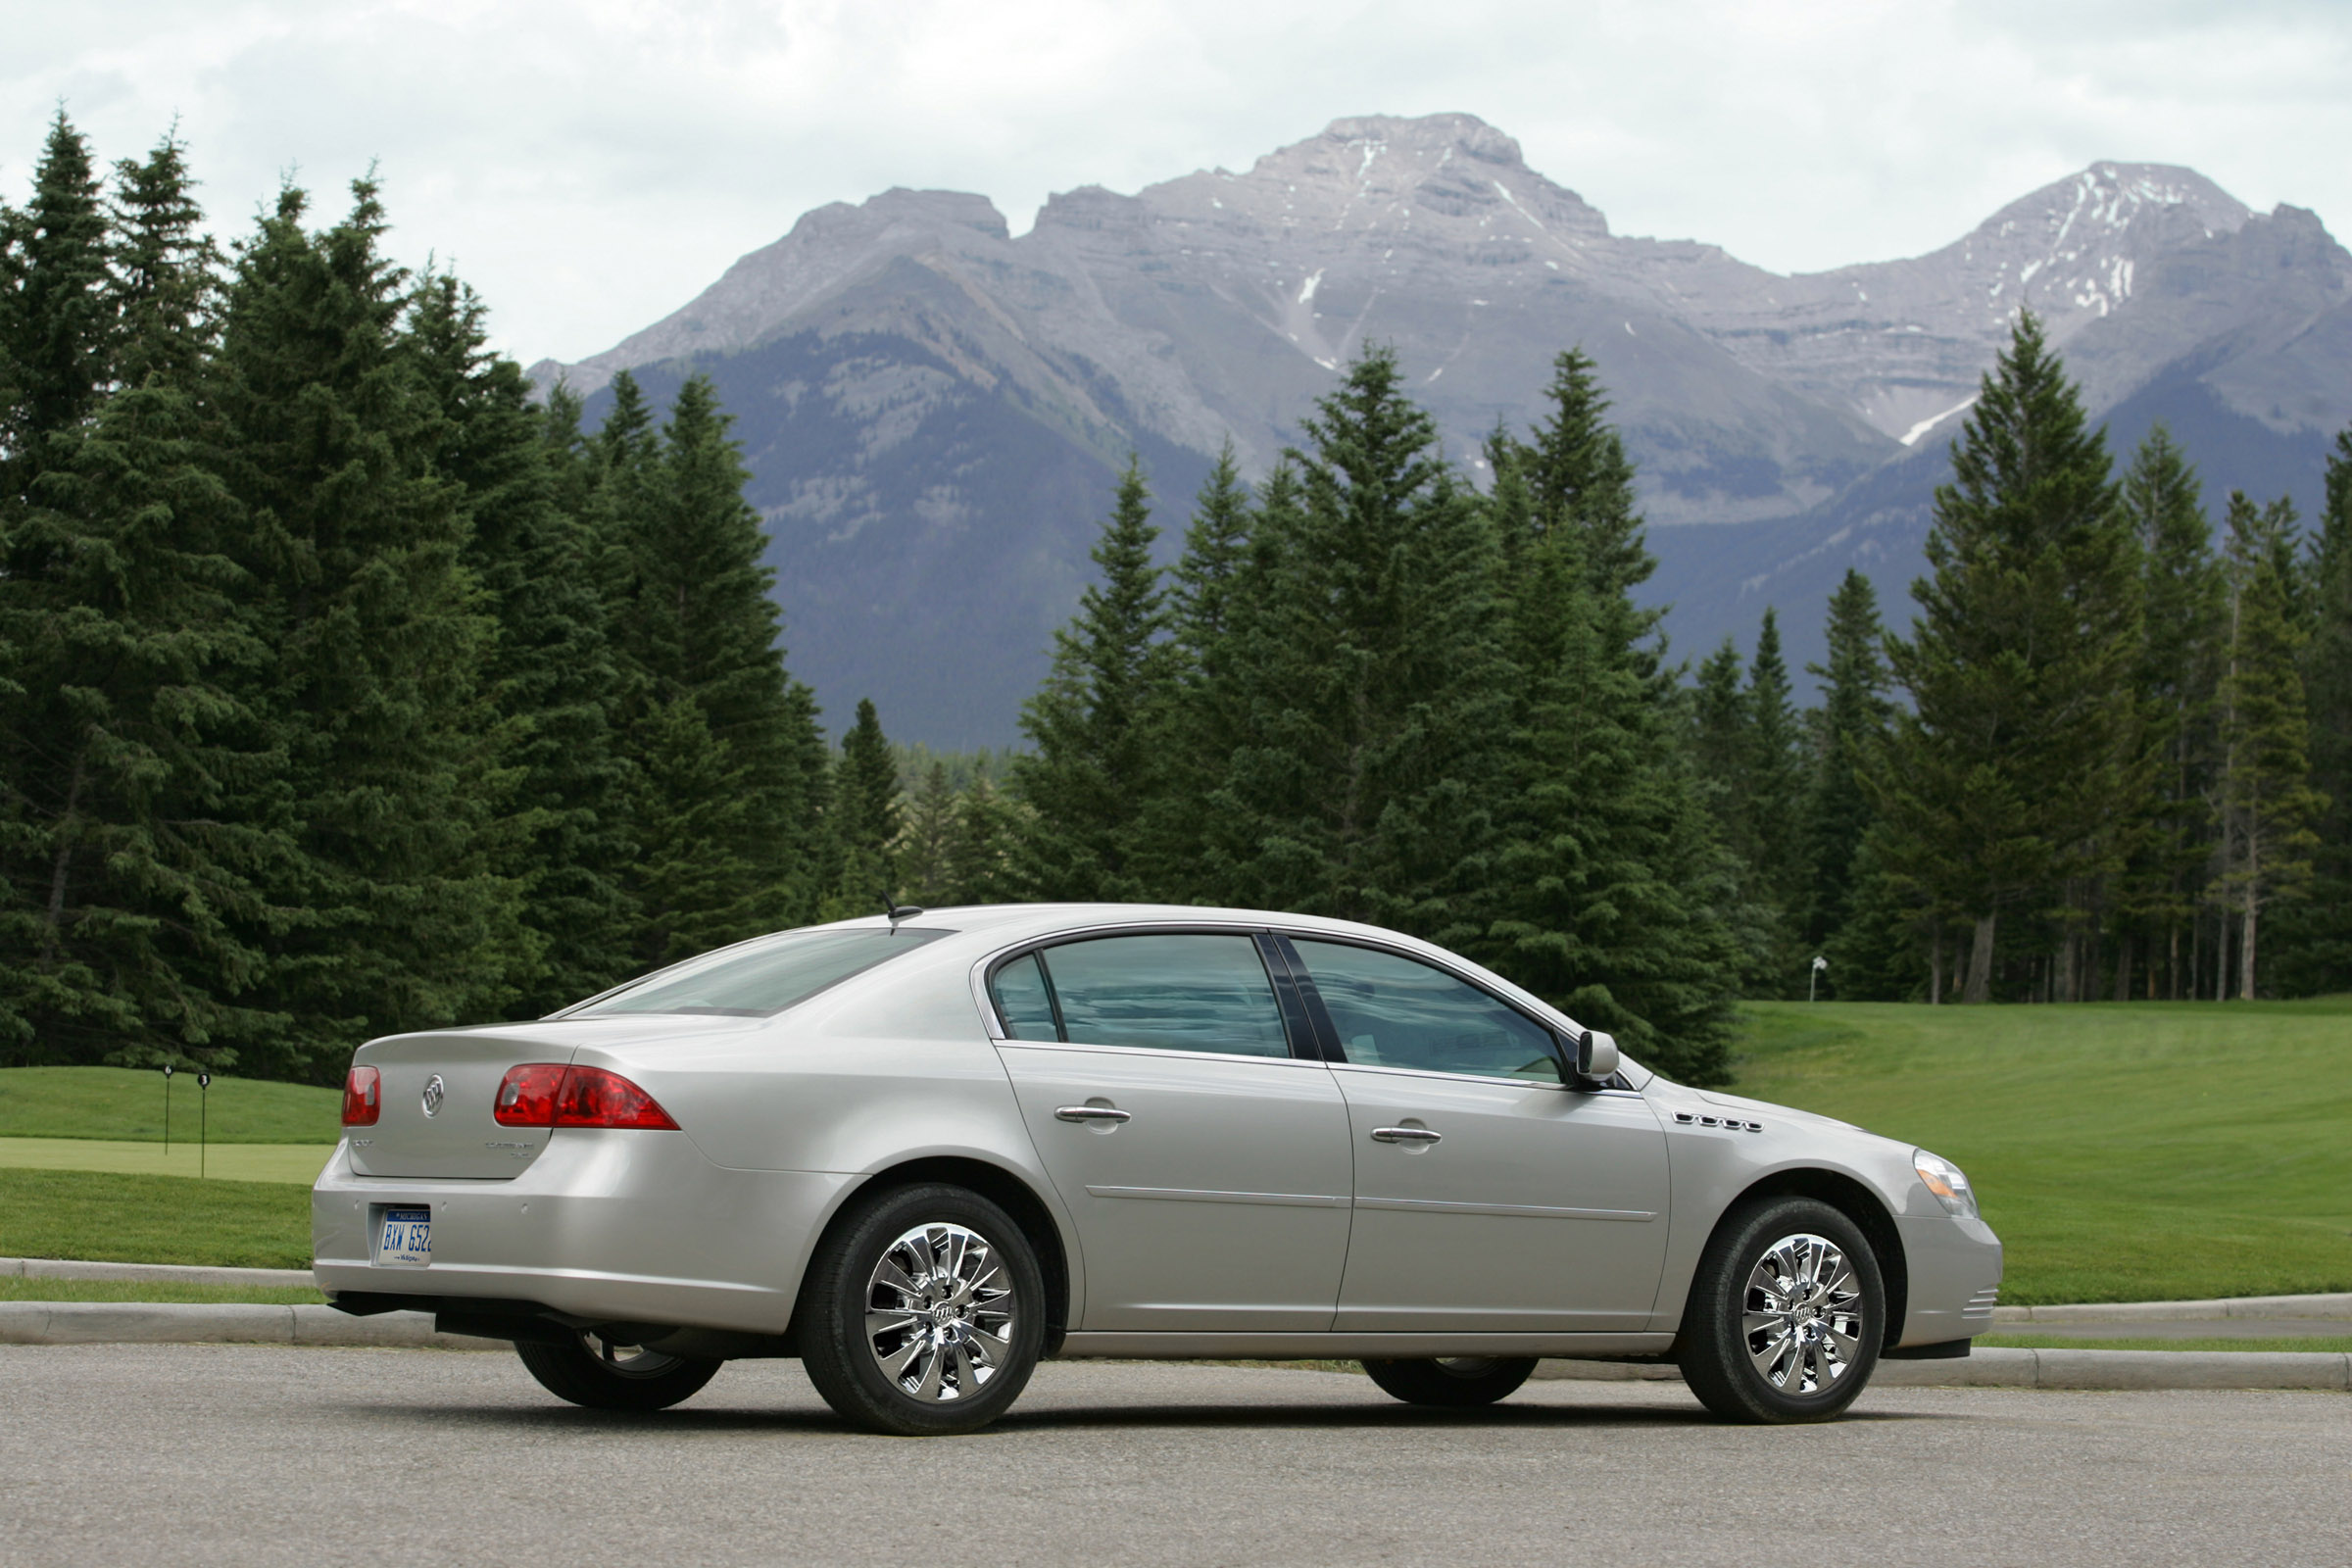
(591, 165)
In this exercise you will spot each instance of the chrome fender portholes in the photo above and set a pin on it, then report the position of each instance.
(1730, 1124)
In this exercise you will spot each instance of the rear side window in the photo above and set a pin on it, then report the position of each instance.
(1395, 1012)
(1169, 992)
(1023, 1002)
(759, 981)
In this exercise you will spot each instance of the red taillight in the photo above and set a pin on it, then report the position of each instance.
(526, 1098)
(594, 1097)
(363, 1097)
(543, 1095)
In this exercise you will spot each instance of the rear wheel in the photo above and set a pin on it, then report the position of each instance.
(923, 1313)
(1455, 1381)
(1786, 1316)
(592, 1370)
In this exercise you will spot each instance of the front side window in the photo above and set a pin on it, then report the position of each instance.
(763, 979)
(1162, 992)
(1393, 1011)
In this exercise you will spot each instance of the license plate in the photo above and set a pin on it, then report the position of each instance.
(407, 1239)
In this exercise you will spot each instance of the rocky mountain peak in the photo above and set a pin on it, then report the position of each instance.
(934, 409)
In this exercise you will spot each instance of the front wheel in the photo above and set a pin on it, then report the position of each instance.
(591, 1370)
(1458, 1382)
(923, 1313)
(1786, 1315)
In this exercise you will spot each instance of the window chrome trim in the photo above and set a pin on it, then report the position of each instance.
(1157, 1050)
(1510, 996)
(1442, 1076)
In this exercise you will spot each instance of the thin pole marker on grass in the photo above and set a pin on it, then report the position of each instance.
(204, 1084)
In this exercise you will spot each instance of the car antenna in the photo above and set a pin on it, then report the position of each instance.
(899, 911)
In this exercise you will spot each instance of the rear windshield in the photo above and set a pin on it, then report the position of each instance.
(756, 982)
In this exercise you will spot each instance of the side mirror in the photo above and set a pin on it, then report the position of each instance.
(1596, 1055)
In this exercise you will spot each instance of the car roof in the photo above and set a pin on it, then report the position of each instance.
(1012, 921)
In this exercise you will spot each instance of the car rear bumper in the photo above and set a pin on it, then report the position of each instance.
(617, 1225)
(1954, 1266)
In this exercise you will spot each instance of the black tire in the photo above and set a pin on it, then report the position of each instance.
(1816, 1373)
(843, 1360)
(1456, 1383)
(592, 1371)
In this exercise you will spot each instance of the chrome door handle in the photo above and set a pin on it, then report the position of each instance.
(1089, 1113)
(1404, 1135)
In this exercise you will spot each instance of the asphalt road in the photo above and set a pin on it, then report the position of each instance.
(261, 1455)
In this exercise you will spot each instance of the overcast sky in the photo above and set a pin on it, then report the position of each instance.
(590, 165)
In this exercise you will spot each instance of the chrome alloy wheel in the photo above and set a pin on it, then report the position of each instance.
(1803, 1314)
(625, 1360)
(939, 1314)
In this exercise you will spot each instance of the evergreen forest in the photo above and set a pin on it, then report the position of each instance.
(349, 684)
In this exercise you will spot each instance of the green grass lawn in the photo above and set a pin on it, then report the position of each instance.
(124, 1105)
(154, 1219)
(15, 1290)
(2124, 1150)
(2332, 1342)
(236, 1162)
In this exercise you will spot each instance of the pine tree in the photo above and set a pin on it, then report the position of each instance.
(867, 814)
(1776, 792)
(1578, 475)
(551, 673)
(1610, 894)
(1368, 679)
(2320, 958)
(56, 321)
(1192, 726)
(692, 619)
(694, 820)
(926, 842)
(1722, 740)
(123, 882)
(1094, 722)
(2179, 673)
(2267, 802)
(1216, 550)
(394, 916)
(2017, 773)
(989, 828)
(1853, 721)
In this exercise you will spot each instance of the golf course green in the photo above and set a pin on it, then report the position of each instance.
(2124, 1150)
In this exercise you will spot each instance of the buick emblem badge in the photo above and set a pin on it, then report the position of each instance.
(434, 1091)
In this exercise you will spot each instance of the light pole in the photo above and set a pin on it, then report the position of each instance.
(1813, 980)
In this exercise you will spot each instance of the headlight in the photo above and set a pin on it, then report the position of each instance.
(1944, 1180)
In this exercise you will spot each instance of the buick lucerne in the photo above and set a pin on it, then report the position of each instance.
(922, 1152)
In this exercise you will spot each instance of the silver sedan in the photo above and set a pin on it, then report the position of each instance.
(921, 1153)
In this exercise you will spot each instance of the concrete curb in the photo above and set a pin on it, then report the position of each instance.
(2257, 1306)
(178, 1323)
(67, 1269)
(173, 1323)
(2339, 1305)
(1995, 1368)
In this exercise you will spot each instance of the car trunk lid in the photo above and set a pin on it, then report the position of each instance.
(456, 1073)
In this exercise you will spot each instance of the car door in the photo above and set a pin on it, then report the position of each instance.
(1205, 1161)
(1490, 1195)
